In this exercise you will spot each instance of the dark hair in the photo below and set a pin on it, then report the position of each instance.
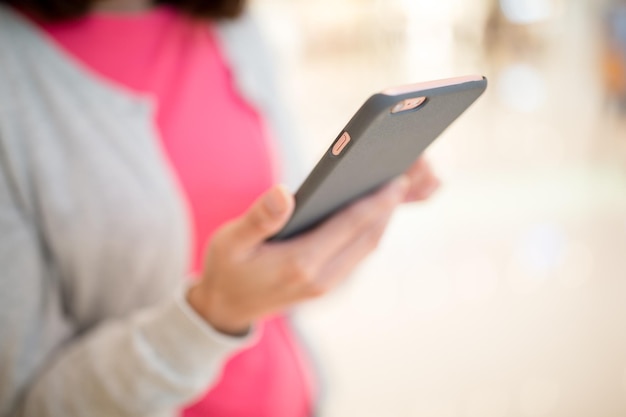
(64, 10)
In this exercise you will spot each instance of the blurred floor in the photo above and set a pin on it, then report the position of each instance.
(506, 294)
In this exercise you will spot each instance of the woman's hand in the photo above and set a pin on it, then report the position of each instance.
(246, 278)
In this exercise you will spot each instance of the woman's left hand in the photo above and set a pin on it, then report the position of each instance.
(423, 181)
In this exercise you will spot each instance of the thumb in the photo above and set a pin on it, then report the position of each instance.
(265, 218)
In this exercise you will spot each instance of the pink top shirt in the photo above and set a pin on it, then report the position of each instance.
(217, 145)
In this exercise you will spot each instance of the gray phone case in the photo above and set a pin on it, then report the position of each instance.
(383, 145)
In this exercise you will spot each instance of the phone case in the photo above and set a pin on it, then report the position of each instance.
(381, 145)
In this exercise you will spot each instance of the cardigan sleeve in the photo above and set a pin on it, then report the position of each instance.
(149, 363)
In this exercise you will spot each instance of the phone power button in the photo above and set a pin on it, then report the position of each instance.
(341, 143)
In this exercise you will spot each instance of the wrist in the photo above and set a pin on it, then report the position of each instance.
(205, 306)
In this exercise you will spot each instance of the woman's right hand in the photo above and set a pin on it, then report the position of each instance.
(246, 278)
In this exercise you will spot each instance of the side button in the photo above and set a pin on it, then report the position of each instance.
(341, 143)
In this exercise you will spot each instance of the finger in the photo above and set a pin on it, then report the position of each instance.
(266, 217)
(423, 180)
(424, 190)
(344, 263)
(324, 242)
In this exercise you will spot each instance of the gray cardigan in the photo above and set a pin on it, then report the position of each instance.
(93, 238)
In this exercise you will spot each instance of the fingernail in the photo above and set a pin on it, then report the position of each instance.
(274, 201)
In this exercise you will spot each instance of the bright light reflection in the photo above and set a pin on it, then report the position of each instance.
(577, 266)
(522, 87)
(539, 253)
(527, 11)
(429, 37)
(440, 10)
(541, 248)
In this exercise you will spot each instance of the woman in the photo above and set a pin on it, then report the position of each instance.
(131, 134)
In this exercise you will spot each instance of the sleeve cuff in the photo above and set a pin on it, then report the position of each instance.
(247, 340)
(185, 344)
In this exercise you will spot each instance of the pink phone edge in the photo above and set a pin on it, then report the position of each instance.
(404, 89)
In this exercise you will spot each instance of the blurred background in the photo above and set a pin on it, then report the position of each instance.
(506, 294)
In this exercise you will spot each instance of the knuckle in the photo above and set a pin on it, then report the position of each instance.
(222, 243)
(371, 209)
(219, 241)
(298, 271)
(374, 238)
(317, 289)
(258, 222)
(370, 243)
(363, 212)
(365, 216)
(373, 242)
(389, 202)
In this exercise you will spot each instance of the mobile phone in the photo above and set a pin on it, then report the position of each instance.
(381, 141)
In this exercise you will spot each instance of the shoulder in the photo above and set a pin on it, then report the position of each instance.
(13, 26)
(19, 49)
(243, 43)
